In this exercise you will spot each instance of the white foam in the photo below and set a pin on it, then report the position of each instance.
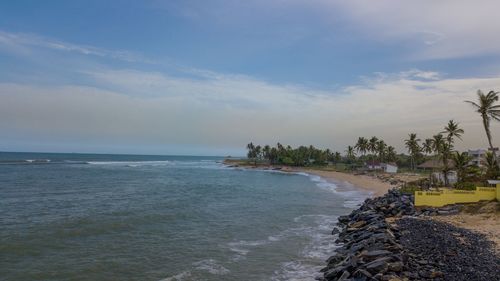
(201, 164)
(211, 266)
(317, 228)
(353, 197)
(37, 160)
(320, 182)
(297, 271)
(241, 248)
(179, 277)
(130, 163)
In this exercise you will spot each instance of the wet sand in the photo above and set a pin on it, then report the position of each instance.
(368, 183)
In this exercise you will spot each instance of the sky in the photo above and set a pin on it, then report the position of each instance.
(207, 77)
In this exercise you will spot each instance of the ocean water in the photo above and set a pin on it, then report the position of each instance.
(129, 217)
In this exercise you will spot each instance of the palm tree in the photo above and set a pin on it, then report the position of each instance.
(381, 150)
(437, 143)
(390, 153)
(372, 147)
(461, 162)
(337, 157)
(266, 152)
(362, 145)
(413, 148)
(492, 167)
(257, 154)
(452, 130)
(273, 155)
(251, 151)
(488, 109)
(427, 146)
(350, 154)
(445, 155)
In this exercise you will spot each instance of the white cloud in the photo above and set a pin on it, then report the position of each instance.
(154, 109)
(430, 29)
(437, 29)
(24, 42)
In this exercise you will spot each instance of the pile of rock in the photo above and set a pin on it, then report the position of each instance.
(443, 211)
(370, 248)
(437, 250)
(373, 249)
(393, 203)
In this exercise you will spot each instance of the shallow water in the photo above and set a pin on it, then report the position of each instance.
(124, 217)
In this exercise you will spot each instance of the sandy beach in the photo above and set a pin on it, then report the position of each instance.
(488, 224)
(374, 185)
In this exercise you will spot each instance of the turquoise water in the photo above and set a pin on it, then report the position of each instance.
(127, 217)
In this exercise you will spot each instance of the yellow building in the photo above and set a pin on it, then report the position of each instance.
(453, 196)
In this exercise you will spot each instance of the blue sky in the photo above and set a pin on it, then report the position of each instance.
(206, 77)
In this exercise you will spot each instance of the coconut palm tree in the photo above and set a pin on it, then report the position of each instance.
(427, 146)
(337, 157)
(362, 145)
(266, 152)
(372, 147)
(413, 148)
(461, 163)
(390, 153)
(488, 109)
(251, 151)
(452, 130)
(381, 150)
(437, 143)
(492, 167)
(350, 153)
(257, 154)
(445, 155)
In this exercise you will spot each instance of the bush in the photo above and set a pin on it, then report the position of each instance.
(410, 189)
(466, 185)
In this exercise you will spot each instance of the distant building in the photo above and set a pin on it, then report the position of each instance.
(375, 165)
(452, 176)
(386, 167)
(478, 157)
(390, 168)
(493, 183)
(435, 166)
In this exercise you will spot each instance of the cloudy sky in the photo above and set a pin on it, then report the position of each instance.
(207, 77)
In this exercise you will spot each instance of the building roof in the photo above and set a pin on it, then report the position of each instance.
(435, 164)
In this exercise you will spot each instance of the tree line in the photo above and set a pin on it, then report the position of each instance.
(286, 155)
(440, 147)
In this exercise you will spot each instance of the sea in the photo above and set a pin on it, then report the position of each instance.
(163, 218)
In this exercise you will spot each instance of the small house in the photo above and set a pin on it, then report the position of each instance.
(386, 167)
(390, 167)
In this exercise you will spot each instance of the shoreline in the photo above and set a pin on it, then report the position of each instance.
(487, 223)
(374, 186)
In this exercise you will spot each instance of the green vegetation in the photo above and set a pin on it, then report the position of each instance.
(488, 109)
(300, 156)
(439, 147)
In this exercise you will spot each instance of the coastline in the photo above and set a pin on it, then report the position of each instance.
(486, 222)
(378, 241)
(374, 186)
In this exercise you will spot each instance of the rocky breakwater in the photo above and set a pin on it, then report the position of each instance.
(375, 244)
